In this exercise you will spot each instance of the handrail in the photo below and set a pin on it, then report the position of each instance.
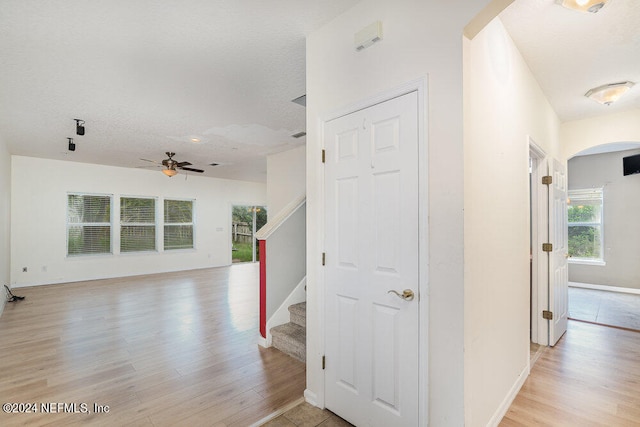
(274, 223)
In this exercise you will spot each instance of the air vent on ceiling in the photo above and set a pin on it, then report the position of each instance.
(299, 134)
(301, 100)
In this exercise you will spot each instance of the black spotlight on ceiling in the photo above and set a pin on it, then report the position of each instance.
(72, 145)
(79, 126)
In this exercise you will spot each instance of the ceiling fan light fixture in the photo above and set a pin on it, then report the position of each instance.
(592, 6)
(170, 172)
(609, 93)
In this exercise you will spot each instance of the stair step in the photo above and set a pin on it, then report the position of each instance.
(291, 339)
(298, 314)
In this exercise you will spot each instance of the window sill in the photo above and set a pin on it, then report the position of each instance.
(587, 261)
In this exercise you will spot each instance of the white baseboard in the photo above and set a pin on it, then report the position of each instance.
(311, 398)
(508, 400)
(262, 342)
(605, 288)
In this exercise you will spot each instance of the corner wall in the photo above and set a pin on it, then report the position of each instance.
(422, 38)
(38, 227)
(5, 220)
(286, 178)
(503, 107)
(621, 227)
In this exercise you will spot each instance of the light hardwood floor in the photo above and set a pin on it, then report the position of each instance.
(176, 349)
(590, 378)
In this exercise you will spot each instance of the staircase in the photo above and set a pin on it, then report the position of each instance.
(291, 338)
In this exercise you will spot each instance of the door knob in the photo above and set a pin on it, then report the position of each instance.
(406, 295)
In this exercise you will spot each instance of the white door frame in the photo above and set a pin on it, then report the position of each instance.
(420, 86)
(539, 235)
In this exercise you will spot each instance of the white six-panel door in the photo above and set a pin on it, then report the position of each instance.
(558, 268)
(371, 246)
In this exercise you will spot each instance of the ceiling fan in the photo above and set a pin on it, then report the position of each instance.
(171, 166)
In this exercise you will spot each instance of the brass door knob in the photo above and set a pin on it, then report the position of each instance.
(406, 295)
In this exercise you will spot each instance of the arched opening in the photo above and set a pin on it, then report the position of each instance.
(602, 212)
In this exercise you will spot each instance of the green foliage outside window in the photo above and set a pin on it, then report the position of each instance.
(584, 231)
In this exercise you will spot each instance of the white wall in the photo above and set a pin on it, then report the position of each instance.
(621, 227)
(578, 135)
(504, 106)
(38, 226)
(5, 220)
(286, 255)
(421, 38)
(286, 178)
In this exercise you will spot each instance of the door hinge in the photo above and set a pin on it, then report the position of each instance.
(323, 258)
(323, 155)
(547, 247)
(323, 362)
(547, 180)
(546, 314)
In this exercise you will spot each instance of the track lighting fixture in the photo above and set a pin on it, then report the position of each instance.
(72, 145)
(79, 126)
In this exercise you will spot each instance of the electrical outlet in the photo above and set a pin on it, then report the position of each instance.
(24, 269)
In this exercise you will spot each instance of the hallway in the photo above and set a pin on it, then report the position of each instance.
(590, 378)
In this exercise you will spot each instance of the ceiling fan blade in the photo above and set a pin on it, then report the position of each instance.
(191, 169)
(181, 164)
(147, 160)
(150, 166)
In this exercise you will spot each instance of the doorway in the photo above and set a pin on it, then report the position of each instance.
(246, 220)
(538, 234)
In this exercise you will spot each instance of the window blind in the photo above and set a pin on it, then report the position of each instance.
(137, 224)
(178, 224)
(88, 224)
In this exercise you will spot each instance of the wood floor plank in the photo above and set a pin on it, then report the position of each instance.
(590, 378)
(156, 349)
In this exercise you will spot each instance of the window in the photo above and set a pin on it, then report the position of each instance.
(88, 224)
(585, 225)
(137, 224)
(178, 224)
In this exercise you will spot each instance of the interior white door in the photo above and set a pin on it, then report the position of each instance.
(558, 269)
(371, 244)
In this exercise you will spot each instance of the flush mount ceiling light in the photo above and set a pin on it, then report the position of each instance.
(592, 6)
(609, 93)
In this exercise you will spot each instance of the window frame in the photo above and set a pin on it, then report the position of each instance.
(139, 224)
(192, 224)
(588, 195)
(70, 224)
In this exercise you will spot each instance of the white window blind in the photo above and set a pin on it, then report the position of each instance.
(137, 224)
(88, 224)
(585, 224)
(178, 224)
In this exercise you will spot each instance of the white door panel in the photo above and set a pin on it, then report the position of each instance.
(558, 269)
(371, 195)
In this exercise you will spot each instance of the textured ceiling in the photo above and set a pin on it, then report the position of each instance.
(571, 52)
(148, 76)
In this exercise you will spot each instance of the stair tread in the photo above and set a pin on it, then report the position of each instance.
(298, 314)
(300, 308)
(293, 330)
(291, 339)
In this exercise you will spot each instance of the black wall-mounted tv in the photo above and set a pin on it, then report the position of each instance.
(631, 165)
